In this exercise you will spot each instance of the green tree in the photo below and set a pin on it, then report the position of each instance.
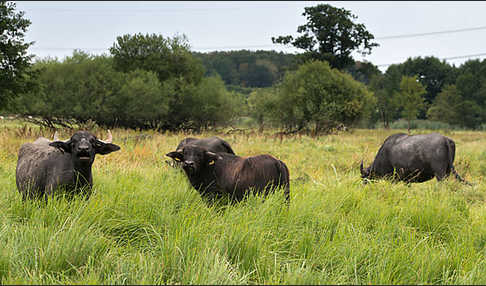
(15, 72)
(179, 72)
(200, 106)
(432, 73)
(471, 86)
(213, 104)
(386, 102)
(320, 97)
(76, 89)
(410, 98)
(142, 101)
(248, 68)
(330, 35)
(447, 106)
(363, 71)
(262, 104)
(167, 57)
(386, 88)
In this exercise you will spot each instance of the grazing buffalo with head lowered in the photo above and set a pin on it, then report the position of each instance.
(413, 158)
(45, 165)
(213, 144)
(216, 175)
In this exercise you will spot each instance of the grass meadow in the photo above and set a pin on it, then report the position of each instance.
(145, 224)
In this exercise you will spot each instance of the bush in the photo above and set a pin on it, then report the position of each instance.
(83, 88)
(319, 97)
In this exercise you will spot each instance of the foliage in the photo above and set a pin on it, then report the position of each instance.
(463, 103)
(386, 103)
(363, 71)
(142, 102)
(77, 88)
(15, 74)
(84, 88)
(262, 105)
(410, 97)
(167, 57)
(471, 85)
(330, 35)
(194, 102)
(447, 106)
(205, 105)
(432, 73)
(248, 68)
(320, 96)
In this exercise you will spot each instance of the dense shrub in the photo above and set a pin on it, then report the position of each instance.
(319, 97)
(83, 88)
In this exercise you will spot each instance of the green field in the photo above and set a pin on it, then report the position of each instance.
(144, 223)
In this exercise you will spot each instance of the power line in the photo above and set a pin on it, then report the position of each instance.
(448, 58)
(268, 46)
(431, 33)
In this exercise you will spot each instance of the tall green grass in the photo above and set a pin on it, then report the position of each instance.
(145, 224)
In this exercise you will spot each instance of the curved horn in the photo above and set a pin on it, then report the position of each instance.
(56, 138)
(109, 139)
(361, 168)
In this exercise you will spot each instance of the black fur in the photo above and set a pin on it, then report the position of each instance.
(43, 166)
(413, 158)
(216, 175)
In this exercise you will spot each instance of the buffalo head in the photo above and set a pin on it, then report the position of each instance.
(194, 158)
(83, 146)
(365, 172)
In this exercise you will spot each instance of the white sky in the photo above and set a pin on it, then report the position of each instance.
(58, 27)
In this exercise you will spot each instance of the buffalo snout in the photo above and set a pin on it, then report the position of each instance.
(190, 164)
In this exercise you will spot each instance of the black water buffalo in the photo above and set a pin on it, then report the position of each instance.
(45, 165)
(216, 175)
(213, 144)
(413, 158)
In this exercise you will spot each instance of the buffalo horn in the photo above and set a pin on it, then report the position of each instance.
(109, 139)
(56, 138)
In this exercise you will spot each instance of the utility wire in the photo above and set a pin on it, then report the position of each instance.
(267, 46)
(448, 58)
(263, 46)
(431, 33)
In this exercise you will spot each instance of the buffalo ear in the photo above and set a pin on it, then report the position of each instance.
(103, 148)
(64, 146)
(212, 157)
(176, 155)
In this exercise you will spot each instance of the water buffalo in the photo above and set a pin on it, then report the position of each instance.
(413, 158)
(213, 144)
(216, 175)
(45, 165)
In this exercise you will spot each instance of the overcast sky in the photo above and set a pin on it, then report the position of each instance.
(452, 30)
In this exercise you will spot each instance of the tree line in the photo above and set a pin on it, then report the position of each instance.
(148, 81)
(127, 89)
